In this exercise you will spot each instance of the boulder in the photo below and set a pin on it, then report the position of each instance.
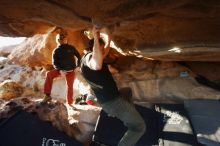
(78, 122)
(37, 50)
(6, 50)
(161, 30)
(10, 89)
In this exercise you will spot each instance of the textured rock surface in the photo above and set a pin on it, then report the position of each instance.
(25, 76)
(155, 81)
(6, 50)
(211, 70)
(78, 123)
(149, 28)
(10, 89)
(33, 81)
(151, 81)
(149, 37)
(37, 50)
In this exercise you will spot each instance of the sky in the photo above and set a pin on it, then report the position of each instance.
(7, 41)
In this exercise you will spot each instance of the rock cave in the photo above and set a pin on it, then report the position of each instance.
(165, 52)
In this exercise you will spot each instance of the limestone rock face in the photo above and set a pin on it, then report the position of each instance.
(210, 70)
(33, 81)
(166, 30)
(10, 89)
(151, 81)
(3, 61)
(28, 78)
(6, 50)
(155, 81)
(37, 50)
(158, 47)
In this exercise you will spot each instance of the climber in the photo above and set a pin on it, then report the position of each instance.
(64, 63)
(97, 74)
